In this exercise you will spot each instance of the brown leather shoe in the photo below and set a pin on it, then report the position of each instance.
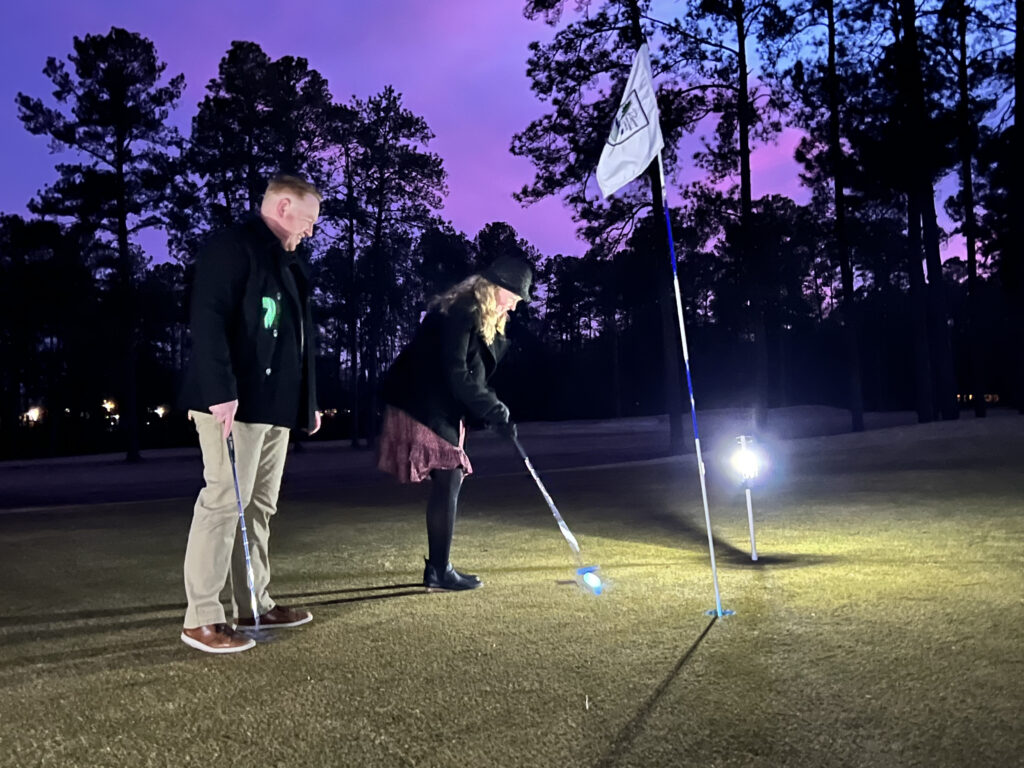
(279, 617)
(216, 638)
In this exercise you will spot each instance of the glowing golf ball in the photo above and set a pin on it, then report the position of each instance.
(592, 580)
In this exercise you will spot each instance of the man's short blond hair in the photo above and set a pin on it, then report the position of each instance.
(284, 182)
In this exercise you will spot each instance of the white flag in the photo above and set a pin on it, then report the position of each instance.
(635, 139)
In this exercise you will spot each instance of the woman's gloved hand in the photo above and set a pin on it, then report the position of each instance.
(499, 421)
(506, 429)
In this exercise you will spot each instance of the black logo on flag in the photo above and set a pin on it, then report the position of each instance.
(629, 120)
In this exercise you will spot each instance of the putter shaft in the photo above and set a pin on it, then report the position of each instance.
(562, 526)
(245, 536)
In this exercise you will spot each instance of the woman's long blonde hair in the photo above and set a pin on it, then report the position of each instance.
(490, 321)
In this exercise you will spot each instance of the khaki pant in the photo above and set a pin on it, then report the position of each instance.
(214, 550)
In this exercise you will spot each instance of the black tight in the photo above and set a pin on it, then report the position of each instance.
(441, 507)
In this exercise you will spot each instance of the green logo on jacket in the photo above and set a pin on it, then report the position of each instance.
(269, 312)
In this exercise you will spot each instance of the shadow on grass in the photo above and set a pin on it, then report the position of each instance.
(741, 559)
(625, 737)
(152, 653)
(45, 621)
(70, 662)
(725, 551)
(48, 633)
(85, 615)
(398, 590)
(135, 654)
(350, 590)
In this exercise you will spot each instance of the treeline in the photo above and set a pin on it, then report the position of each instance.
(841, 301)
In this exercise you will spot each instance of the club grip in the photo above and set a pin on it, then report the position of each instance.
(519, 447)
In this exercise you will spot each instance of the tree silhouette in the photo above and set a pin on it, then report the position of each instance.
(48, 323)
(402, 184)
(721, 35)
(969, 40)
(442, 258)
(820, 92)
(344, 214)
(259, 117)
(111, 111)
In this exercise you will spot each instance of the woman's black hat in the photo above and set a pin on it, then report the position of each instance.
(512, 274)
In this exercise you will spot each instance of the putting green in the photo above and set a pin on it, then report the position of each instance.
(881, 626)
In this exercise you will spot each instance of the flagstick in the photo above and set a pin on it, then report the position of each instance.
(693, 405)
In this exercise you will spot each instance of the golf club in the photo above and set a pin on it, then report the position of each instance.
(586, 575)
(245, 537)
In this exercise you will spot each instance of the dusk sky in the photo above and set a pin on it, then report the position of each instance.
(460, 64)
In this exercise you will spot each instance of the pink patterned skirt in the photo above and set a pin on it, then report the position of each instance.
(409, 450)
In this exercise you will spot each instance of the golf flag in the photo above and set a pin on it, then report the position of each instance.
(635, 139)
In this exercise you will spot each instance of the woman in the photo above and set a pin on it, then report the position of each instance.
(437, 384)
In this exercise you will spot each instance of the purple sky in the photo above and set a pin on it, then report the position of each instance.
(461, 64)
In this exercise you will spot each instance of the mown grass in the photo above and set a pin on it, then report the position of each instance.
(881, 626)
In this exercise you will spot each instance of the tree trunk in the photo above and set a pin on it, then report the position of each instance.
(371, 386)
(377, 301)
(919, 311)
(754, 289)
(920, 187)
(610, 327)
(938, 310)
(967, 148)
(616, 372)
(353, 330)
(10, 405)
(356, 376)
(781, 369)
(889, 299)
(130, 406)
(1016, 243)
(850, 325)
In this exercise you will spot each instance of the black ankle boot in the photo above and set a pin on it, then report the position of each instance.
(436, 580)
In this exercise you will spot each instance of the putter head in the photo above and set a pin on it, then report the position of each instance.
(589, 580)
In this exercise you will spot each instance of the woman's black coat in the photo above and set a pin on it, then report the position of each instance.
(440, 379)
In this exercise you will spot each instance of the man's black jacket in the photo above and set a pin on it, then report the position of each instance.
(253, 337)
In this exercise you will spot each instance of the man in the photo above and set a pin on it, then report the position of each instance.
(251, 376)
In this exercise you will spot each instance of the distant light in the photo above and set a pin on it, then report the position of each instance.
(34, 414)
(109, 406)
(160, 411)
